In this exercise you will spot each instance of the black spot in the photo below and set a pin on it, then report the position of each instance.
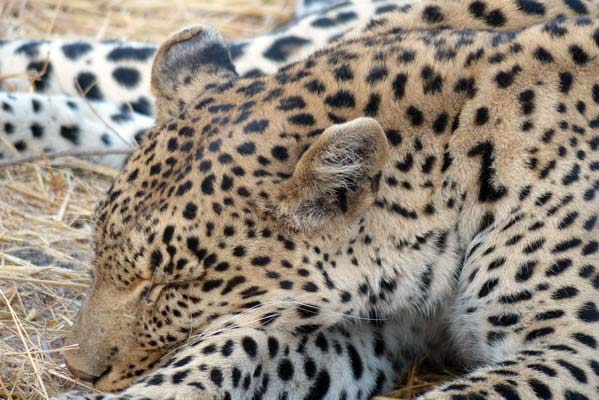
(246, 148)
(433, 82)
(155, 380)
(310, 287)
(590, 248)
(399, 86)
(565, 82)
(70, 133)
(495, 18)
(504, 320)
(285, 370)
(208, 184)
(432, 14)
(440, 123)
(577, 6)
(526, 99)
(184, 188)
(406, 56)
(531, 7)
(236, 49)
(576, 372)
(549, 315)
(253, 88)
(566, 292)
(356, 361)
(487, 287)
(30, 48)
(155, 259)
(488, 192)
(216, 376)
(283, 48)
(212, 284)
(372, 107)
(184, 361)
(543, 369)
(506, 391)
(280, 153)
(20, 145)
(256, 126)
(406, 164)
(394, 137)
(588, 312)
(541, 390)
(341, 99)
(260, 261)
(344, 73)
(345, 16)
(579, 56)
(323, 22)
(505, 79)
(126, 53)
(543, 55)
(315, 86)
(291, 103)
(566, 245)
(7, 107)
(466, 85)
(385, 9)
(36, 105)
(320, 388)
(573, 395)
(415, 116)
(127, 77)
(249, 346)
(585, 339)
(44, 72)
(538, 333)
(558, 267)
(86, 84)
(482, 116)
(37, 130)
(273, 346)
(75, 50)
(142, 106)
(302, 119)
(376, 74)
(190, 211)
(477, 8)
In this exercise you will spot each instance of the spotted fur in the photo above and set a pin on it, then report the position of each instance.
(114, 75)
(430, 186)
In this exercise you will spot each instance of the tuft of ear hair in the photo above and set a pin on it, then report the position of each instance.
(185, 66)
(337, 177)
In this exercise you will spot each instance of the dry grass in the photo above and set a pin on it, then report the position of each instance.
(45, 224)
(46, 208)
(141, 20)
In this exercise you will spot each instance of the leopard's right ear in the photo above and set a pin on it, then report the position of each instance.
(185, 66)
(335, 180)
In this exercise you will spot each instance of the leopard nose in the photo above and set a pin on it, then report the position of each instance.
(80, 374)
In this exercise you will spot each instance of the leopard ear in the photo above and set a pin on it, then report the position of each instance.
(190, 62)
(336, 178)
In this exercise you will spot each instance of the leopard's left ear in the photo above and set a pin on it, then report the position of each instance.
(335, 180)
(186, 65)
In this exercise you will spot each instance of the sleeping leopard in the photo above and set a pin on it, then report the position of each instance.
(430, 185)
(96, 94)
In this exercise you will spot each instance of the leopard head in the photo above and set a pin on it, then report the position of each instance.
(215, 220)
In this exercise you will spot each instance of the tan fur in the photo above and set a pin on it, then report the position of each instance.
(270, 187)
